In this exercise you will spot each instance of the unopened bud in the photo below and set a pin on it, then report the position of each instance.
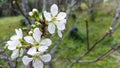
(30, 13)
(13, 2)
(37, 23)
(5, 47)
(33, 26)
(30, 33)
(34, 10)
(111, 28)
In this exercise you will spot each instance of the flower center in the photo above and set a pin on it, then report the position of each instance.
(54, 20)
(37, 44)
(37, 56)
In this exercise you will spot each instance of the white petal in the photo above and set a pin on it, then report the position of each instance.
(61, 16)
(37, 34)
(32, 51)
(60, 26)
(29, 39)
(14, 37)
(21, 52)
(15, 54)
(13, 44)
(19, 33)
(11, 47)
(51, 28)
(46, 42)
(59, 33)
(63, 21)
(34, 10)
(30, 13)
(37, 64)
(26, 60)
(46, 58)
(54, 10)
(47, 16)
(42, 48)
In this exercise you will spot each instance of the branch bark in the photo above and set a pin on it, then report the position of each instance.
(87, 35)
(21, 11)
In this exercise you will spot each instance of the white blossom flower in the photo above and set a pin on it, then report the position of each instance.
(18, 35)
(37, 58)
(55, 19)
(15, 43)
(37, 42)
(30, 13)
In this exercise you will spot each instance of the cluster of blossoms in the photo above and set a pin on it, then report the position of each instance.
(33, 47)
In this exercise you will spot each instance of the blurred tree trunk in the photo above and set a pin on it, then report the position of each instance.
(92, 5)
(44, 4)
(36, 4)
(25, 6)
(25, 9)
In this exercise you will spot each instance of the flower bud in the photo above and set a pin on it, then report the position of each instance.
(30, 13)
(30, 33)
(5, 47)
(34, 10)
(111, 28)
(37, 23)
(33, 26)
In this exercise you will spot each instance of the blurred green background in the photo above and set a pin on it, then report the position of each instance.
(74, 37)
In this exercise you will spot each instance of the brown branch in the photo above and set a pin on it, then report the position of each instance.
(44, 25)
(108, 52)
(16, 63)
(21, 11)
(101, 39)
(94, 45)
(87, 35)
(53, 50)
(98, 59)
(102, 56)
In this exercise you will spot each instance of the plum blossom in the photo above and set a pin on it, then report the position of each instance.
(55, 19)
(15, 44)
(18, 35)
(37, 58)
(36, 41)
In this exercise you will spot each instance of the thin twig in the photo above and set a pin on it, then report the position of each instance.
(115, 22)
(94, 45)
(108, 52)
(99, 58)
(87, 35)
(21, 11)
(44, 25)
(101, 39)
(16, 63)
(73, 2)
(102, 56)
(52, 52)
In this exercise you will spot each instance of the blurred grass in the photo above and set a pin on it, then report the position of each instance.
(70, 48)
(8, 25)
